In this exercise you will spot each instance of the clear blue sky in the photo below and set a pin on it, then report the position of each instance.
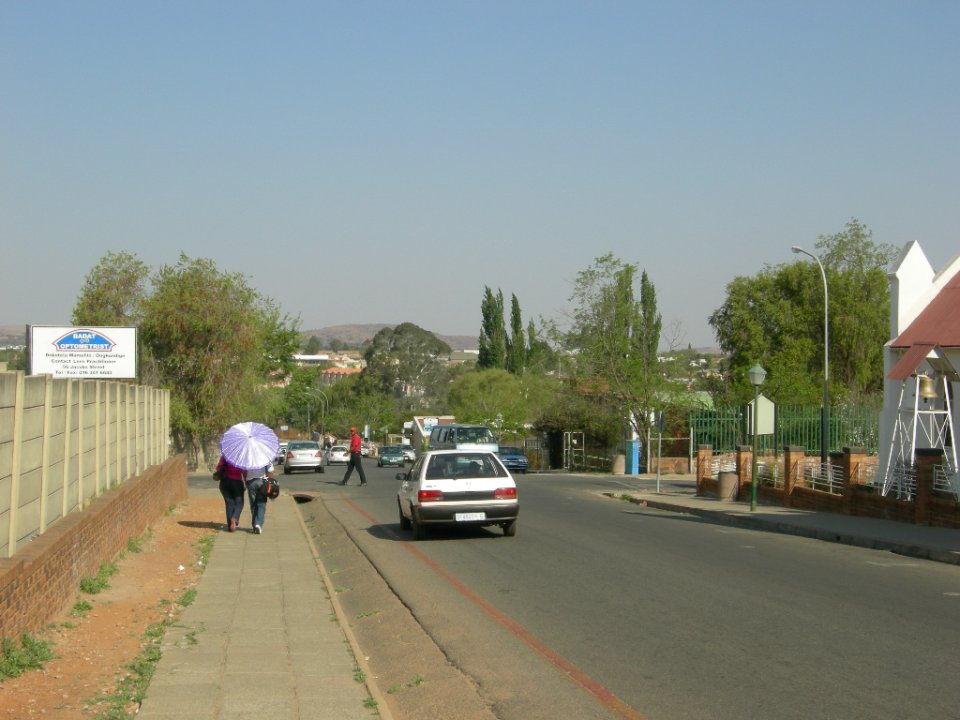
(384, 161)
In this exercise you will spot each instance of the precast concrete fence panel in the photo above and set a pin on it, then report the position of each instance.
(64, 442)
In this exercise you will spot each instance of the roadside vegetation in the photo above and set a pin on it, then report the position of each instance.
(611, 360)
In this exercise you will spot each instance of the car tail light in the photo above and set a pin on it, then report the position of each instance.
(290, 454)
(318, 453)
(508, 493)
(430, 495)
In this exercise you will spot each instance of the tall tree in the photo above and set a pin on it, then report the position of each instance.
(406, 362)
(210, 338)
(614, 338)
(775, 318)
(517, 346)
(113, 292)
(493, 332)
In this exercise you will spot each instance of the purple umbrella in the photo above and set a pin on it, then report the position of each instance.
(249, 445)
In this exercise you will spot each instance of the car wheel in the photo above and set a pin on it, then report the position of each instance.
(510, 528)
(319, 468)
(419, 531)
(404, 520)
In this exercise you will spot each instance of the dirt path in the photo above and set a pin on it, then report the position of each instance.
(95, 648)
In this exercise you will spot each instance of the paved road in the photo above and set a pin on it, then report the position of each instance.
(600, 608)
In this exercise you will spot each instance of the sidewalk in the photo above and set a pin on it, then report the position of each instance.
(678, 494)
(264, 638)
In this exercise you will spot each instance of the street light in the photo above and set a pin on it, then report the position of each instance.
(323, 409)
(825, 412)
(757, 375)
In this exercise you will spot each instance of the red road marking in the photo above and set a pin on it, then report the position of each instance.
(604, 696)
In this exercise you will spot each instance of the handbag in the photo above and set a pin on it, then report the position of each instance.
(271, 488)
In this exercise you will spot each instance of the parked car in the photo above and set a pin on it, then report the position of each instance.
(514, 458)
(338, 455)
(303, 455)
(408, 453)
(281, 453)
(457, 487)
(364, 450)
(390, 455)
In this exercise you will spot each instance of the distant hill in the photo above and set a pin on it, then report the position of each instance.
(352, 336)
(355, 336)
(13, 335)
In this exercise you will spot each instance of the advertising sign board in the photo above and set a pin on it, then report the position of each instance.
(83, 352)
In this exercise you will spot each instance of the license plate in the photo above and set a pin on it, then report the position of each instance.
(468, 517)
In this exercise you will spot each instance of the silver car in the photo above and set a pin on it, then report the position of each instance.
(303, 455)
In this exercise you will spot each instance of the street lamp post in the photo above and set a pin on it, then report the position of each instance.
(825, 411)
(323, 408)
(757, 375)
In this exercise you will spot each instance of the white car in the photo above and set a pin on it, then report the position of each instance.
(457, 487)
(338, 455)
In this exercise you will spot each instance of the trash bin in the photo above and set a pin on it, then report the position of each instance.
(728, 484)
(619, 461)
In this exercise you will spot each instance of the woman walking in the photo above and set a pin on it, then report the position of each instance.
(232, 481)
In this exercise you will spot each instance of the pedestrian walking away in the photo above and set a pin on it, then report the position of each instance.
(257, 489)
(356, 457)
(232, 481)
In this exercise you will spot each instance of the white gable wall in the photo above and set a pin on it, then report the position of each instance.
(913, 285)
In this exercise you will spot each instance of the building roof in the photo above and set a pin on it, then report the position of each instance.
(938, 323)
(937, 326)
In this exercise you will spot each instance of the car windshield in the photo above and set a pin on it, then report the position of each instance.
(464, 465)
(476, 435)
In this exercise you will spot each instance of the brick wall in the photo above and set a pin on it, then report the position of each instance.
(42, 579)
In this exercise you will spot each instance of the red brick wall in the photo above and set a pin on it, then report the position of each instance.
(43, 578)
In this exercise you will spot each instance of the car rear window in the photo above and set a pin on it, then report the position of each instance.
(303, 446)
(464, 465)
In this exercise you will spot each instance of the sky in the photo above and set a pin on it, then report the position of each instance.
(385, 162)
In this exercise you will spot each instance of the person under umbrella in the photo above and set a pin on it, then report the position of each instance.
(257, 488)
(245, 447)
(232, 481)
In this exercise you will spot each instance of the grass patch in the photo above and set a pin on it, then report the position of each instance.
(94, 585)
(205, 547)
(29, 655)
(359, 675)
(415, 681)
(80, 608)
(187, 598)
(369, 702)
(132, 687)
(135, 545)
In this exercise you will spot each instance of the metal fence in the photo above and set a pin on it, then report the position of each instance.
(850, 426)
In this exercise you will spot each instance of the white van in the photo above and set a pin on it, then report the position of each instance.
(463, 437)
